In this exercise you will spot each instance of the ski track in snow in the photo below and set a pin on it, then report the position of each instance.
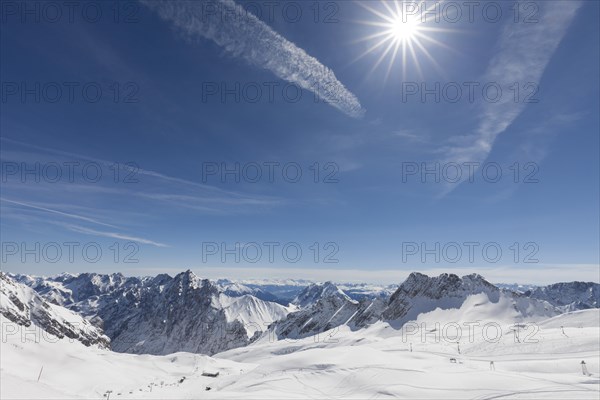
(370, 363)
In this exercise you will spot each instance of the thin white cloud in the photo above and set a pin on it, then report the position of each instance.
(109, 164)
(81, 229)
(64, 214)
(114, 235)
(524, 51)
(199, 193)
(410, 135)
(242, 34)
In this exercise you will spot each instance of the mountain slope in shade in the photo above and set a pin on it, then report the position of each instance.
(324, 314)
(24, 307)
(569, 296)
(326, 307)
(183, 314)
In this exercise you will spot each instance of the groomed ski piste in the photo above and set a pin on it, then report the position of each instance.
(487, 358)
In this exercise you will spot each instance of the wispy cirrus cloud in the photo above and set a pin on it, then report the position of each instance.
(148, 184)
(107, 207)
(248, 37)
(524, 51)
(411, 136)
(114, 235)
(61, 213)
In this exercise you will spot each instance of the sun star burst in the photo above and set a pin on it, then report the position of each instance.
(403, 27)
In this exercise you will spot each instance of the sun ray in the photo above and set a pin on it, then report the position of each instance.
(430, 57)
(371, 37)
(415, 58)
(404, 59)
(392, 60)
(397, 7)
(432, 40)
(376, 12)
(382, 57)
(389, 10)
(372, 48)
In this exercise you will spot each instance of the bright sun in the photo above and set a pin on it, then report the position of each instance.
(402, 28)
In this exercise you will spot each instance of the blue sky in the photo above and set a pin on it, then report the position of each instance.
(355, 118)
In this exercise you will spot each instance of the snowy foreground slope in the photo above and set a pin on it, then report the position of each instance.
(541, 361)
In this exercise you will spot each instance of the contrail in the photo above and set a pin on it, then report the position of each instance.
(242, 34)
(524, 51)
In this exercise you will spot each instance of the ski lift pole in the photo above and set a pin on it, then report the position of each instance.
(584, 369)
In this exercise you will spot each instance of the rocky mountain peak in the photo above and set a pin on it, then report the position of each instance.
(569, 296)
(317, 291)
(21, 305)
(444, 285)
(448, 289)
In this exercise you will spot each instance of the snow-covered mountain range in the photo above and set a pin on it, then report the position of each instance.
(164, 314)
(325, 306)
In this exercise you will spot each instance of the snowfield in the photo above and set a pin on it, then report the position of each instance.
(426, 359)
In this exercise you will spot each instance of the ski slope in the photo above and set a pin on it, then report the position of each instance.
(376, 362)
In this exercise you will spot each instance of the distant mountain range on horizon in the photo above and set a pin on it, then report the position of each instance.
(284, 289)
(164, 314)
